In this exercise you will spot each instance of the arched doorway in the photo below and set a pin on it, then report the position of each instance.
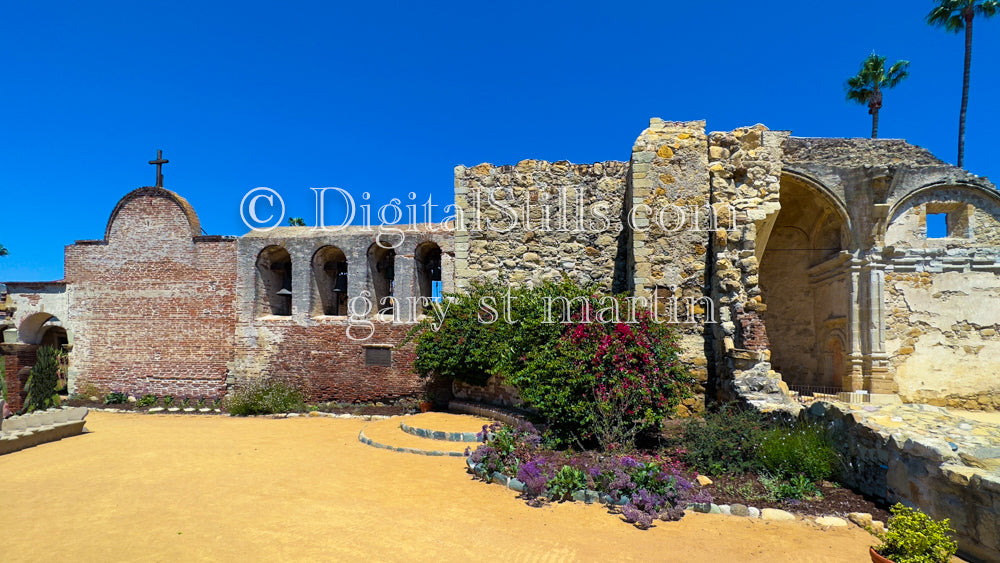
(804, 280)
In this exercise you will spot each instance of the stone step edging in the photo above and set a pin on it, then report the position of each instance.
(434, 453)
(439, 434)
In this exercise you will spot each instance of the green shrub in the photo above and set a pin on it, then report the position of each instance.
(801, 450)
(797, 487)
(724, 441)
(591, 380)
(264, 396)
(42, 381)
(914, 537)
(566, 481)
(115, 398)
(147, 400)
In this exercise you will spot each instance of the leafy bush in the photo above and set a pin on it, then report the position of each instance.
(724, 441)
(914, 537)
(565, 482)
(591, 379)
(262, 396)
(115, 398)
(801, 450)
(798, 487)
(42, 381)
(147, 400)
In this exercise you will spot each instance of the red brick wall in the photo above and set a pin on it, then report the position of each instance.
(152, 305)
(328, 366)
(14, 362)
(752, 330)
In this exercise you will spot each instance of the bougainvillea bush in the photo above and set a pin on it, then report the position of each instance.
(597, 371)
(644, 487)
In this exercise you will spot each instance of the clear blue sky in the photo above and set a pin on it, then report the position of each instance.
(388, 98)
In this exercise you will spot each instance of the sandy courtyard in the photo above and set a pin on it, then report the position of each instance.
(179, 488)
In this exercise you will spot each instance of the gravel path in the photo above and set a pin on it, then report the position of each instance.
(173, 487)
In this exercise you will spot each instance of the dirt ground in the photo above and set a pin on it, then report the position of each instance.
(169, 487)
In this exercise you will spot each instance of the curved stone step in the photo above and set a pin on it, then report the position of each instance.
(387, 434)
(443, 426)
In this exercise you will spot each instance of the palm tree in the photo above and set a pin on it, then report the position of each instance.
(954, 16)
(3, 250)
(867, 85)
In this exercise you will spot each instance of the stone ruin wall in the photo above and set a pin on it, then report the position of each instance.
(745, 167)
(668, 171)
(556, 219)
(941, 325)
(571, 226)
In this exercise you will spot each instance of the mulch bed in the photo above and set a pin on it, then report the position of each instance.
(836, 501)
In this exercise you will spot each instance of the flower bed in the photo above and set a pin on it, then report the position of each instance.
(642, 487)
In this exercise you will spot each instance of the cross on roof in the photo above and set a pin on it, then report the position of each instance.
(159, 162)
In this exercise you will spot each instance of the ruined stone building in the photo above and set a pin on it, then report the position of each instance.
(790, 262)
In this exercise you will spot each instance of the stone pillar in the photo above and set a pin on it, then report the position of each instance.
(404, 288)
(879, 378)
(357, 278)
(301, 282)
(854, 374)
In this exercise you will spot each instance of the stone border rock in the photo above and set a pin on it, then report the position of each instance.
(439, 434)
(434, 453)
(25, 431)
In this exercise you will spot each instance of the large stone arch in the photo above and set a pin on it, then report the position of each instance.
(803, 278)
(34, 327)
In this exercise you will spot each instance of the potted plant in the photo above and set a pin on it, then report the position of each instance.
(427, 403)
(914, 537)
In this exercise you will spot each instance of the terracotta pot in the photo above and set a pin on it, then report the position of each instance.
(426, 406)
(876, 558)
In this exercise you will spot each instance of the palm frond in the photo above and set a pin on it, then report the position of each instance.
(988, 9)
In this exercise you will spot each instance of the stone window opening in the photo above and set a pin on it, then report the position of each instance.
(330, 277)
(274, 282)
(947, 220)
(427, 260)
(937, 225)
(382, 270)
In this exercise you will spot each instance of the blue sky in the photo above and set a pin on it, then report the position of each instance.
(388, 98)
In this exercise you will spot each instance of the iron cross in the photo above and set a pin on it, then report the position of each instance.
(159, 162)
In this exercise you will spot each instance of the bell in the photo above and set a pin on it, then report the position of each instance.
(341, 285)
(283, 291)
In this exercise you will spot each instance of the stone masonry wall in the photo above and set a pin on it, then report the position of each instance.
(745, 167)
(923, 456)
(671, 222)
(536, 221)
(152, 305)
(942, 340)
